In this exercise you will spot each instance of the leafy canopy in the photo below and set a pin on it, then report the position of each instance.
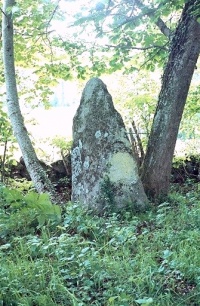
(119, 30)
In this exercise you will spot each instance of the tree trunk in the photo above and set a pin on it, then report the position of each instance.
(37, 174)
(185, 49)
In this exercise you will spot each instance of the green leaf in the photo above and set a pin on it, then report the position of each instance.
(41, 220)
(166, 253)
(144, 301)
(112, 299)
(12, 195)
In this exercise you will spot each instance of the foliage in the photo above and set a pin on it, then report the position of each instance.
(190, 122)
(62, 144)
(140, 101)
(117, 27)
(151, 259)
(25, 213)
(102, 39)
(7, 144)
(107, 195)
(22, 184)
(39, 59)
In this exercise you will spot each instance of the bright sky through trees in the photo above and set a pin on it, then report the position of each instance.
(71, 9)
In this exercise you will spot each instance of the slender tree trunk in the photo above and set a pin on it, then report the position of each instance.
(185, 49)
(37, 174)
(139, 142)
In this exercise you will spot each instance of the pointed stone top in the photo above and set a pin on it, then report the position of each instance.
(95, 82)
(94, 87)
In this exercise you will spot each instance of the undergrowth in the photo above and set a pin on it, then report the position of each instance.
(49, 257)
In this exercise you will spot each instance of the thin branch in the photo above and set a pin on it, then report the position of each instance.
(149, 12)
(131, 13)
(39, 34)
(108, 11)
(48, 44)
(109, 3)
(149, 59)
(52, 15)
(134, 147)
(3, 12)
(159, 22)
(47, 26)
(139, 141)
(136, 48)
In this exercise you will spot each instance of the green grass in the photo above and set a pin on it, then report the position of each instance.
(121, 260)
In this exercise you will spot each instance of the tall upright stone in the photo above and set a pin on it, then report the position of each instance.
(104, 170)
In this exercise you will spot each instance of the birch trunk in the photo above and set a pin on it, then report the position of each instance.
(177, 76)
(37, 174)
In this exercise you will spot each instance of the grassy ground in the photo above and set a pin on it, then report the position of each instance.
(48, 259)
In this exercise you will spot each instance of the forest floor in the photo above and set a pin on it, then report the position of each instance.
(52, 255)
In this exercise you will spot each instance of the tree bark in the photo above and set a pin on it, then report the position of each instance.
(185, 49)
(37, 174)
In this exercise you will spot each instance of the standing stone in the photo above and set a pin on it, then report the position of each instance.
(104, 171)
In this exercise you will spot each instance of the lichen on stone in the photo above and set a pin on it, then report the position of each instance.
(98, 134)
(123, 168)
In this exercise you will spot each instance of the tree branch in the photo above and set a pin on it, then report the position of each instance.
(163, 28)
(136, 48)
(47, 26)
(52, 14)
(3, 12)
(159, 22)
(139, 142)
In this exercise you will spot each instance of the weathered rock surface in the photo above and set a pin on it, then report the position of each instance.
(104, 171)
